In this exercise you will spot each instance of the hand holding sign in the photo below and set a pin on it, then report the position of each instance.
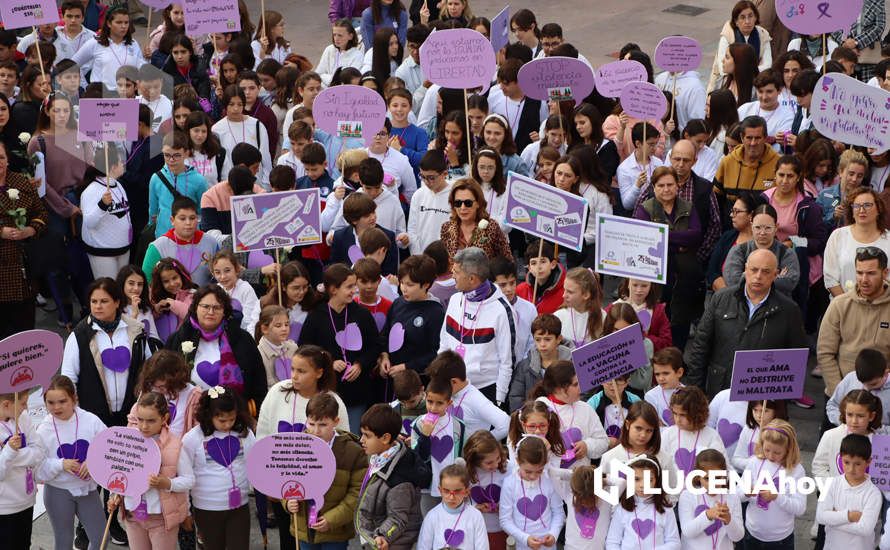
(458, 58)
(350, 111)
(292, 465)
(556, 78)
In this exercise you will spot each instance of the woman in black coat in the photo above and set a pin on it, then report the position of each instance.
(184, 67)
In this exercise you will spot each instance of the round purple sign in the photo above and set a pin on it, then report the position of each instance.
(678, 53)
(29, 359)
(122, 459)
(458, 58)
(349, 111)
(818, 16)
(556, 78)
(611, 77)
(292, 465)
(643, 101)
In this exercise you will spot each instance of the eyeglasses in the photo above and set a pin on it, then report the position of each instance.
(382, 134)
(172, 156)
(210, 308)
(764, 228)
(535, 427)
(461, 203)
(737, 211)
(450, 493)
(429, 177)
(864, 206)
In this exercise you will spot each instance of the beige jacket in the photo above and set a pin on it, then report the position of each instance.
(727, 37)
(850, 324)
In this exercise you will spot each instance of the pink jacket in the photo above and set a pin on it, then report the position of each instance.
(174, 506)
(191, 408)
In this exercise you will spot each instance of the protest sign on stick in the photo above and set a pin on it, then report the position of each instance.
(768, 374)
(273, 220)
(209, 16)
(879, 469)
(500, 29)
(29, 359)
(847, 110)
(609, 357)
(350, 111)
(677, 54)
(627, 247)
(815, 17)
(611, 77)
(545, 211)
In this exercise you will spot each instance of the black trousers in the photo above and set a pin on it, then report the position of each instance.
(15, 529)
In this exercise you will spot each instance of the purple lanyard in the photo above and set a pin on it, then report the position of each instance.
(654, 528)
(334, 328)
(76, 428)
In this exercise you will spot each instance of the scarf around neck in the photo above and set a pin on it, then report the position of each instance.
(753, 40)
(108, 326)
(226, 372)
(480, 293)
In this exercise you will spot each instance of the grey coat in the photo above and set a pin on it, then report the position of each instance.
(734, 267)
(527, 373)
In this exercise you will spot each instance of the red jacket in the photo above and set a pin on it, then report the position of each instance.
(548, 299)
(659, 328)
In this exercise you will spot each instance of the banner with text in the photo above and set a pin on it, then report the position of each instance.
(627, 247)
(609, 357)
(273, 220)
(546, 211)
(768, 374)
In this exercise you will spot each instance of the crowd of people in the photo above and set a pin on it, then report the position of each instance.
(424, 339)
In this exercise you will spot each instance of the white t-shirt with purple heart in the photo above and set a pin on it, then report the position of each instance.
(530, 508)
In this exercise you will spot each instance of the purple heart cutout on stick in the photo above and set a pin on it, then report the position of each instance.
(533, 509)
(350, 338)
(116, 359)
(355, 253)
(223, 450)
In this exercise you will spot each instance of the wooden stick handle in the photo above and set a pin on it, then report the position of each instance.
(535, 291)
(107, 528)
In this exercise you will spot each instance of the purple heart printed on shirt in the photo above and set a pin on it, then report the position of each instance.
(208, 372)
(166, 323)
(491, 493)
(223, 450)
(668, 416)
(295, 330)
(569, 438)
(454, 538)
(457, 411)
(355, 253)
(684, 459)
(586, 519)
(171, 408)
(761, 503)
(534, 508)
(729, 431)
(714, 526)
(406, 426)
(349, 338)
(74, 451)
(441, 447)
(116, 359)
(642, 527)
(379, 320)
(645, 318)
(286, 427)
(396, 337)
(282, 368)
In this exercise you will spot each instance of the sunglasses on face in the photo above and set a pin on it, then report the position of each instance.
(461, 203)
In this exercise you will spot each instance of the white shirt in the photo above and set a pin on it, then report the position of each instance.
(389, 212)
(665, 535)
(464, 525)
(429, 210)
(628, 172)
(106, 60)
(332, 59)
(243, 294)
(83, 426)
(728, 418)
(16, 465)
(839, 265)
(777, 521)
(580, 420)
(278, 53)
(397, 165)
(213, 481)
(232, 133)
(524, 312)
(832, 511)
(682, 446)
(478, 413)
(694, 520)
(520, 527)
(410, 72)
(106, 228)
(660, 398)
(595, 522)
(690, 96)
(597, 202)
(161, 110)
(204, 165)
(511, 109)
(487, 491)
(290, 407)
(779, 119)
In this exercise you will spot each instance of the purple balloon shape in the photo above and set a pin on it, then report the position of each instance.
(611, 77)
(396, 337)
(223, 450)
(349, 111)
(349, 338)
(643, 101)
(818, 16)
(557, 78)
(457, 58)
(678, 54)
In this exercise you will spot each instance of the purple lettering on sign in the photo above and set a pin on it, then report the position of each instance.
(29, 359)
(108, 119)
(17, 14)
(550, 77)
(678, 53)
(292, 466)
(768, 374)
(206, 16)
(850, 111)
(546, 211)
(879, 469)
(611, 77)
(643, 101)
(818, 16)
(458, 58)
(610, 357)
(274, 220)
(350, 111)
(122, 460)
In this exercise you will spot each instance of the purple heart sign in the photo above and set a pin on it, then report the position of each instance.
(612, 77)
(457, 58)
(29, 359)
(350, 111)
(122, 459)
(847, 110)
(292, 466)
(610, 357)
(643, 101)
(556, 78)
(678, 54)
(818, 16)
(768, 374)
(396, 337)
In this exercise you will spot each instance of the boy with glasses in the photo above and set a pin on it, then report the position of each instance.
(175, 179)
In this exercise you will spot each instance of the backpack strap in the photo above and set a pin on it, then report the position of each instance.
(176, 194)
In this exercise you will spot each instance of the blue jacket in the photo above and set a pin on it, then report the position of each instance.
(828, 199)
(189, 183)
(368, 26)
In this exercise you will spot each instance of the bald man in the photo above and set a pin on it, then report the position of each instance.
(751, 315)
(697, 190)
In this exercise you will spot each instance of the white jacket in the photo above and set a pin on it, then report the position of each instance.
(428, 212)
(14, 466)
(84, 426)
(288, 406)
(332, 59)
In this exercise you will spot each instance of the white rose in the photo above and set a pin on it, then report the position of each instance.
(483, 224)
(24, 137)
(13, 194)
(849, 285)
(287, 249)
(188, 347)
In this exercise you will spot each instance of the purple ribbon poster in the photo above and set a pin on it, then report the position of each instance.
(108, 119)
(556, 78)
(768, 374)
(29, 359)
(17, 14)
(292, 465)
(206, 16)
(610, 357)
(545, 211)
(273, 220)
(122, 459)
(847, 110)
(814, 17)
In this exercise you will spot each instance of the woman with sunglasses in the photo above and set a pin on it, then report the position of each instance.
(866, 226)
(470, 224)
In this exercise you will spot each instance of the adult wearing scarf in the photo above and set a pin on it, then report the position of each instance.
(742, 28)
(480, 325)
(218, 351)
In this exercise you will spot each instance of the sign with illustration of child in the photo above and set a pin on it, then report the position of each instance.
(292, 465)
(627, 247)
(545, 211)
(29, 359)
(614, 355)
(768, 374)
(122, 460)
(275, 220)
(350, 111)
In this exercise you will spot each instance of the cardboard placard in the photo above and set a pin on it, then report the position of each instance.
(108, 119)
(207, 16)
(18, 14)
(609, 357)
(122, 459)
(350, 111)
(546, 211)
(847, 110)
(274, 220)
(458, 58)
(768, 374)
(678, 54)
(812, 17)
(627, 247)
(29, 359)
(643, 101)
(556, 78)
(292, 465)
(612, 77)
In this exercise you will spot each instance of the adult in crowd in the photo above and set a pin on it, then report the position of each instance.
(763, 227)
(218, 350)
(749, 167)
(864, 37)
(856, 319)
(743, 27)
(480, 325)
(470, 224)
(742, 214)
(851, 170)
(749, 315)
(17, 296)
(864, 214)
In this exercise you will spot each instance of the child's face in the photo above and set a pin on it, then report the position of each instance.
(315, 171)
(493, 134)
(309, 91)
(6, 53)
(510, 88)
(325, 428)
(411, 291)
(185, 222)
(399, 108)
(171, 281)
(772, 451)
(374, 445)
(59, 404)
(638, 290)
(251, 90)
(437, 403)
(198, 134)
(681, 418)
(304, 375)
(373, 191)
(640, 481)
(571, 393)
(367, 221)
(10, 408)
(229, 72)
(8, 79)
(224, 421)
(61, 113)
(267, 82)
(855, 468)
(133, 286)
(368, 289)
(149, 421)
(491, 462)
(857, 418)
(414, 402)
(546, 167)
(546, 343)
(487, 167)
(615, 388)
(177, 15)
(69, 81)
(73, 20)
(126, 88)
(150, 89)
(666, 376)
(296, 290)
(225, 274)
(620, 324)
(536, 424)
(507, 284)
(531, 472)
(556, 137)
(574, 298)
(297, 146)
(763, 418)
(345, 292)
(453, 490)
(875, 383)
(541, 267)
(277, 330)
(639, 433)
(175, 160)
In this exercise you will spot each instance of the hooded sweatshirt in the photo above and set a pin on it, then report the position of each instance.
(528, 372)
(735, 176)
(689, 94)
(549, 296)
